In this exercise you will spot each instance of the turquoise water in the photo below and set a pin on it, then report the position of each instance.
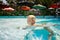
(11, 28)
(42, 34)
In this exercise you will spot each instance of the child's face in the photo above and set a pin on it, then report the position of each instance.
(31, 20)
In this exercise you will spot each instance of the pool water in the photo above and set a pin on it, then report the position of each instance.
(11, 29)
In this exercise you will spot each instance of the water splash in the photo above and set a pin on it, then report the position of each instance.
(9, 31)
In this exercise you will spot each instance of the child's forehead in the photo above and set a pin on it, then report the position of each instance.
(31, 17)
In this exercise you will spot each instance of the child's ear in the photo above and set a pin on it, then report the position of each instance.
(33, 20)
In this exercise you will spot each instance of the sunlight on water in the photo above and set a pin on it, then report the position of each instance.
(11, 29)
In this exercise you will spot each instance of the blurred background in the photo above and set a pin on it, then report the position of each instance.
(27, 7)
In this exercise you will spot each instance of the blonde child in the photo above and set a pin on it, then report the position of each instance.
(31, 22)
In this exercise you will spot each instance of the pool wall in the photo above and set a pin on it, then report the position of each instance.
(26, 16)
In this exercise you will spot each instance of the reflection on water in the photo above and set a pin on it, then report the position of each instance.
(11, 29)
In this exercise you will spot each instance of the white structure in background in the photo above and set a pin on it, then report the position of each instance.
(57, 11)
(5, 2)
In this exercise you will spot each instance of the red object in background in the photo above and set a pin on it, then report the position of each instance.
(59, 5)
(8, 9)
(3, 6)
(55, 5)
(26, 8)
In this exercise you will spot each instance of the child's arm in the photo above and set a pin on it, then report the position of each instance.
(47, 28)
(51, 32)
(45, 25)
(41, 25)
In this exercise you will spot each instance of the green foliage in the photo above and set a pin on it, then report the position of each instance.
(47, 3)
(19, 12)
(43, 2)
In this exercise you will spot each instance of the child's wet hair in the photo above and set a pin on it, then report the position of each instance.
(32, 16)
